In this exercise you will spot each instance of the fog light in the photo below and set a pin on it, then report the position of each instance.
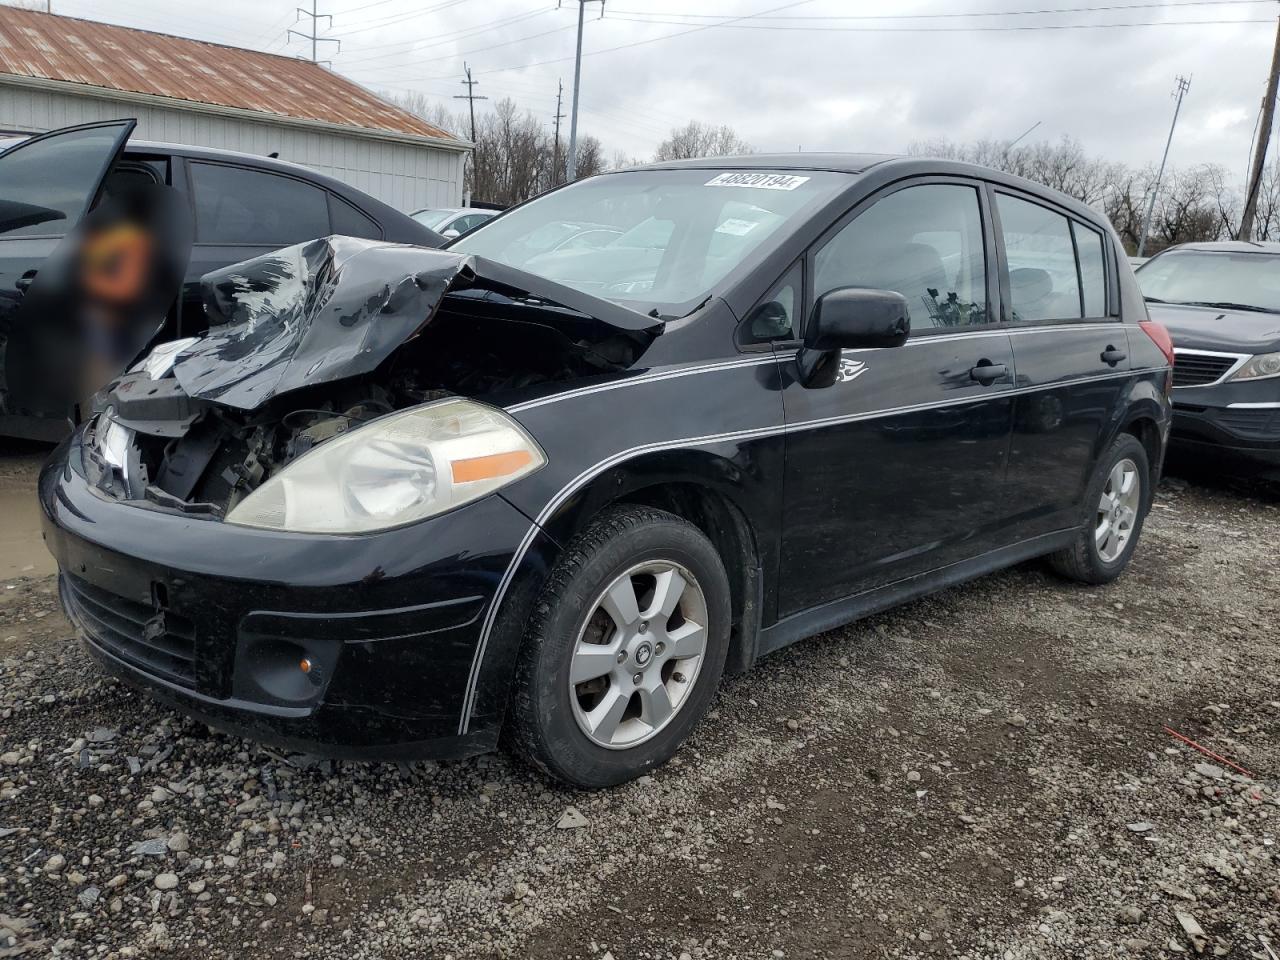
(305, 665)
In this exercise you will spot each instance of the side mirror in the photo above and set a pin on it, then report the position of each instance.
(858, 317)
(451, 233)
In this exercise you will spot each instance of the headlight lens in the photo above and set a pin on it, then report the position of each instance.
(1262, 365)
(396, 470)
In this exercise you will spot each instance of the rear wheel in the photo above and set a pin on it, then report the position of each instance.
(1116, 504)
(624, 651)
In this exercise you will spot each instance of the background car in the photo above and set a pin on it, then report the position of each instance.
(1221, 304)
(455, 221)
(242, 206)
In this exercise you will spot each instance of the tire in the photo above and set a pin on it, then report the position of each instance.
(643, 549)
(1089, 560)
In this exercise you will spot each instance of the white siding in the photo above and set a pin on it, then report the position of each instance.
(406, 176)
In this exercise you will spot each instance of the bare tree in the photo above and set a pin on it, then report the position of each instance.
(700, 140)
(590, 157)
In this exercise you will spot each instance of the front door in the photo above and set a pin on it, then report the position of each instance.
(898, 467)
(47, 184)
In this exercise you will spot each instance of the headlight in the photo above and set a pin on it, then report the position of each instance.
(1256, 368)
(398, 469)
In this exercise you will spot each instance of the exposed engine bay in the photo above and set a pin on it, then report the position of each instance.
(312, 341)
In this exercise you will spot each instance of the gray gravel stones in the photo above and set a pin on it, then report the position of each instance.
(757, 838)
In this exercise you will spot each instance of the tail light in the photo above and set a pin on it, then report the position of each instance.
(1159, 336)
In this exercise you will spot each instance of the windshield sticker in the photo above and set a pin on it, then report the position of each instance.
(737, 228)
(758, 181)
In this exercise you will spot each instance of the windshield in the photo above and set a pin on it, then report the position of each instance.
(433, 218)
(654, 240)
(1248, 280)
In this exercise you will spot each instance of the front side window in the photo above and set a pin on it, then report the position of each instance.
(46, 185)
(774, 318)
(1043, 282)
(236, 205)
(924, 242)
(660, 241)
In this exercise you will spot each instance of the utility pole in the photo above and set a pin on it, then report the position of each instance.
(1264, 138)
(470, 96)
(1184, 85)
(314, 35)
(555, 153)
(577, 83)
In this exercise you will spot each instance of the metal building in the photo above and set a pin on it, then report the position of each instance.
(58, 71)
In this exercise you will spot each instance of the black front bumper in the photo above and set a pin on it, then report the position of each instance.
(346, 646)
(1240, 437)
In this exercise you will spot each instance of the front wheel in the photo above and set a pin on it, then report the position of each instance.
(624, 651)
(1116, 504)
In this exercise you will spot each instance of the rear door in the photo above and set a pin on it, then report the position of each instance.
(242, 212)
(899, 466)
(1071, 353)
(47, 184)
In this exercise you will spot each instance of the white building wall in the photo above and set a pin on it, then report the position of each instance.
(407, 176)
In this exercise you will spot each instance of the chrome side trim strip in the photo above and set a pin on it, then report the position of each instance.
(734, 364)
(1267, 405)
(491, 614)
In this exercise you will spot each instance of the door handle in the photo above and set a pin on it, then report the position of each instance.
(23, 283)
(1112, 356)
(987, 373)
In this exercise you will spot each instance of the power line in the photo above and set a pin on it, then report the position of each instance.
(984, 29)
(495, 46)
(436, 39)
(1183, 86)
(940, 16)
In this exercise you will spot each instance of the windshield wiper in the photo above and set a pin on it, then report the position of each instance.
(1154, 300)
(1227, 305)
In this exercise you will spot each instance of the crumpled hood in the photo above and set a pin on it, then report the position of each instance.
(1213, 328)
(337, 307)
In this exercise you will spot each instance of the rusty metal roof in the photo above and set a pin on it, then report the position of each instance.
(68, 49)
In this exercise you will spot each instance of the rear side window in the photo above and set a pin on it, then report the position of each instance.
(1093, 275)
(46, 186)
(236, 205)
(1043, 281)
(348, 221)
(925, 242)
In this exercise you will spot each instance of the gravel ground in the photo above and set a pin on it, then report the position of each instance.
(985, 773)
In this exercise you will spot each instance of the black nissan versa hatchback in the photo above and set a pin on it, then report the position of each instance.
(398, 499)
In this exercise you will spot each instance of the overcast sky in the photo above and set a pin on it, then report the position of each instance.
(814, 75)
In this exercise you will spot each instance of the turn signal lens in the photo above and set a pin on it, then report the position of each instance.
(493, 467)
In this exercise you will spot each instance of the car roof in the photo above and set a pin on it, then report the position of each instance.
(214, 153)
(836, 162)
(1231, 246)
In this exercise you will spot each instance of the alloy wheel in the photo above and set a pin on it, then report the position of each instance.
(1117, 510)
(637, 656)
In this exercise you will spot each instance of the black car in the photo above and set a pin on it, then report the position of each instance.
(1221, 304)
(405, 497)
(242, 206)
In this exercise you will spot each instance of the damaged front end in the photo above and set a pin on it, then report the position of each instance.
(311, 341)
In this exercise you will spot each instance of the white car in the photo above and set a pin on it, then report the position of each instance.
(453, 222)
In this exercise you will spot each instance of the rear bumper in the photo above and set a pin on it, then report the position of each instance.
(216, 620)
